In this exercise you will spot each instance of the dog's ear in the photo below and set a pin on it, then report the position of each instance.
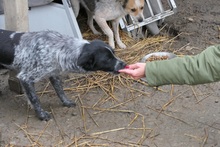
(86, 61)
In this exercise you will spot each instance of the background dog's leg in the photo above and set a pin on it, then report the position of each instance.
(56, 82)
(115, 26)
(90, 23)
(31, 94)
(76, 6)
(105, 28)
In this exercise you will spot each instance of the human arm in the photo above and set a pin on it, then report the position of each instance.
(191, 70)
(199, 69)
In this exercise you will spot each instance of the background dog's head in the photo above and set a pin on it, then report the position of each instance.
(97, 55)
(135, 9)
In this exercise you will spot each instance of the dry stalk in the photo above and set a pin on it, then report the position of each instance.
(111, 110)
(172, 90)
(194, 93)
(30, 138)
(133, 120)
(118, 129)
(169, 115)
(119, 142)
(75, 141)
(62, 133)
(83, 144)
(83, 114)
(42, 132)
(205, 138)
(97, 145)
(97, 102)
(203, 98)
(88, 113)
(120, 104)
(194, 137)
(169, 103)
(141, 140)
(183, 47)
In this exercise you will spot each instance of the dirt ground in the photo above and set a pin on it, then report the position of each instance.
(173, 116)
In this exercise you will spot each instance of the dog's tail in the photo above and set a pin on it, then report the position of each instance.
(76, 6)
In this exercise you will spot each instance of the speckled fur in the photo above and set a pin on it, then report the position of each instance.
(47, 54)
(42, 54)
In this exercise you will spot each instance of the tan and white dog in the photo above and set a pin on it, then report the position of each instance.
(110, 10)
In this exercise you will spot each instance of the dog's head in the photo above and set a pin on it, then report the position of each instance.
(97, 55)
(135, 9)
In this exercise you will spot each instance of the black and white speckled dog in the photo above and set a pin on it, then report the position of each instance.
(37, 55)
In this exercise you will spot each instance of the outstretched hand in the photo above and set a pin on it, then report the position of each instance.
(136, 71)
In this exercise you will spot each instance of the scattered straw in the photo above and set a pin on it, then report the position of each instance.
(170, 102)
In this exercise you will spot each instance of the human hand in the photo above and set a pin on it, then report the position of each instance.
(136, 71)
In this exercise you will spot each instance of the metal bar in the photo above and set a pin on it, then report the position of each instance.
(150, 8)
(160, 5)
(173, 6)
(72, 19)
(149, 20)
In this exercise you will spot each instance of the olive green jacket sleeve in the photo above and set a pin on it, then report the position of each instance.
(199, 69)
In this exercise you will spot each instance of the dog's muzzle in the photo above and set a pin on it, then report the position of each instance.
(140, 19)
(119, 65)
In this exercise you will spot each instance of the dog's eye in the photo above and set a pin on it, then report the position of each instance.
(142, 8)
(133, 10)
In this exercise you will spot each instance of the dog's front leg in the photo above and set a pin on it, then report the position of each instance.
(115, 26)
(56, 82)
(106, 29)
(32, 96)
(90, 23)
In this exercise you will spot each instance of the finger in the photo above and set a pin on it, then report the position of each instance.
(127, 71)
(132, 66)
(127, 66)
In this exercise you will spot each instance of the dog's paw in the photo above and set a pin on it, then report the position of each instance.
(44, 116)
(69, 103)
(121, 45)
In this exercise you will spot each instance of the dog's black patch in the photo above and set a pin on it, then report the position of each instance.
(98, 56)
(7, 46)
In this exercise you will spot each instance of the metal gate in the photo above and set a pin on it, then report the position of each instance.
(155, 11)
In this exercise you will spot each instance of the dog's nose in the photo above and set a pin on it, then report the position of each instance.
(121, 65)
(140, 19)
